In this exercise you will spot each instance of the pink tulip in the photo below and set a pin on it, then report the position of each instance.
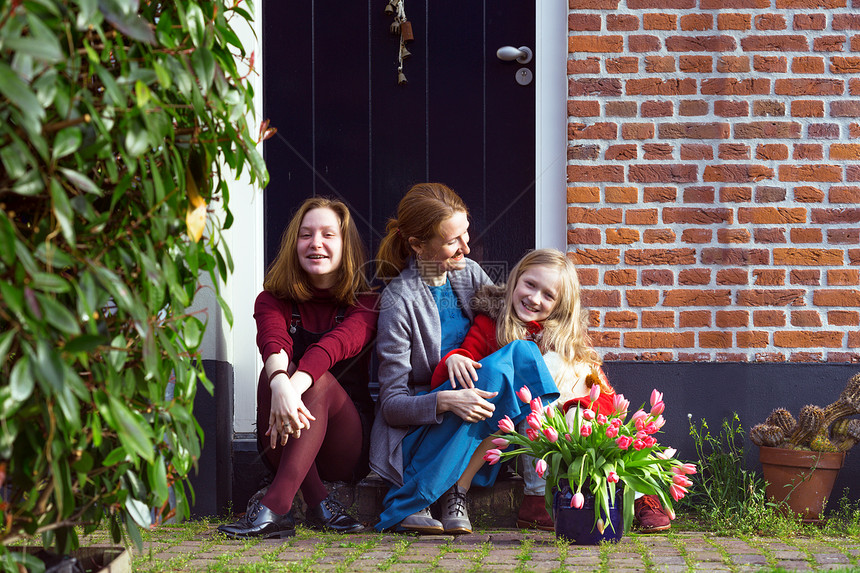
(506, 425)
(541, 467)
(670, 512)
(651, 428)
(532, 434)
(616, 422)
(501, 443)
(577, 500)
(534, 421)
(658, 408)
(587, 415)
(585, 430)
(601, 419)
(666, 454)
(682, 480)
(638, 444)
(624, 442)
(619, 404)
(537, 405)
(611, 431)
(659, 422)
(524, 394)
(550, 412)
(594, 394)
(689, 469)
(612, 477)
(567, 437)
(650, 441)
(550, 434)
(641, 435)
(493, 456)
(638, 414)
(656, 396)
(640, 424)
(677, 491)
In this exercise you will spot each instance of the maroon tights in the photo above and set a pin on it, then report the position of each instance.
(329, 450)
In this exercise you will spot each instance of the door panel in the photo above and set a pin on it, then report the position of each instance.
(347, 130)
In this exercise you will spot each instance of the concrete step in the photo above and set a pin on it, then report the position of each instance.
(489, 507)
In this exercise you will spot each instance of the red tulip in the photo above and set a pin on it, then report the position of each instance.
(532, 434)
(587, 415)
(611, 431)
(493, 456)
(577, 500)
(541, 467)
(601, 419)
(682, 480)
(677, 491)
(624, 442)
(550, 434)
(612, 477)
(524, 394)
(656, 396)
(506, 425)
(585, 430)
(534, 421)
(638, 444)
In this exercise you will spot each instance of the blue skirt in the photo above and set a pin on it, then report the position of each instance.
(436, 455)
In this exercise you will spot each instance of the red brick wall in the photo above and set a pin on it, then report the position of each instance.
(713, 182)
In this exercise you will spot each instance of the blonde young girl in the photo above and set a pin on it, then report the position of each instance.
(541, 303)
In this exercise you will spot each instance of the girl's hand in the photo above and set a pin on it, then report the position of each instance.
(470, 404)
(463, 370)
(288, 415)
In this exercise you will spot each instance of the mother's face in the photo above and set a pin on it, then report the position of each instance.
(320, 246)
(449, 247)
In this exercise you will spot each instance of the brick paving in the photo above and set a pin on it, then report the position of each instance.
(496, 550)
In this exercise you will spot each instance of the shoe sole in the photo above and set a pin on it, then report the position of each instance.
(458, 531)
(654, 529)
(522, 524)
(423, 530)
(274, 535)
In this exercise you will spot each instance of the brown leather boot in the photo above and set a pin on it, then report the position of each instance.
(533, 515)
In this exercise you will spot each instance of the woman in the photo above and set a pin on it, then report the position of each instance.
(429, 446)
(315, 321)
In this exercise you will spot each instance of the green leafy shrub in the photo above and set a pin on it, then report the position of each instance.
(117, 118)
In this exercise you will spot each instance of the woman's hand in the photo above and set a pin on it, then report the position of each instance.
(288, 415)
(470, 403)
(462, 369)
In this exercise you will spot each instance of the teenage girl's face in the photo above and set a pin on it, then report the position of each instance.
(449, 248)
(320, 246)
(536, 293)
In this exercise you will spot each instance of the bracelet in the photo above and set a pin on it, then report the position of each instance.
(276, 372)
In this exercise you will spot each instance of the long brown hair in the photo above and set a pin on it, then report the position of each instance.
(420, 214)
(286, 279)
(565, 330)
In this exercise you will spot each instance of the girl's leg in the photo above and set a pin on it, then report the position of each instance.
(476, 462)
(336, 422)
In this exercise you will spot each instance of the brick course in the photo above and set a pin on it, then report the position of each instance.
(713, 195)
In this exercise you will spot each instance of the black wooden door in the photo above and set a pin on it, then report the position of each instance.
(347, 130)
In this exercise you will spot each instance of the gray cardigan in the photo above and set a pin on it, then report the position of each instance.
(408, 342)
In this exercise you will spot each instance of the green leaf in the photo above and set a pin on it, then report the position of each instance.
(84, 343)
(196, 24)
(157, 473)
(139, 512)
(203, 64)
(128, 23)
(116, 456)
(80, 181)
(46, 49)
(67, 142)
(6, 340)
(47, 282)
(19, 93)
(134, 433)
(136, 139)
(58, 315)
(63, 211)
(49, 367)
(193, 332)
(29, 184)
(15, 159)
(21, 380)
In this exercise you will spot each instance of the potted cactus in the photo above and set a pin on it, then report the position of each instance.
(801, 457)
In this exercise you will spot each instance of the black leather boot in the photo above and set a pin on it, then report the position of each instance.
(260, 521)
(330, 515)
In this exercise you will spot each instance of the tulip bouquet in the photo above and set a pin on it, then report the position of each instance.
(598, 450)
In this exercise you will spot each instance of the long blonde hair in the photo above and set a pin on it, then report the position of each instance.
(420, 214)
(565, 330)
(286, 279)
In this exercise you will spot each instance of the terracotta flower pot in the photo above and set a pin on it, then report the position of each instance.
(802, 479)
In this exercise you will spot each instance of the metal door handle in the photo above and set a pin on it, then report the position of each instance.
(523, 54)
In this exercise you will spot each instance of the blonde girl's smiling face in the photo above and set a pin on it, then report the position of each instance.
(320, 246)
(536, 293)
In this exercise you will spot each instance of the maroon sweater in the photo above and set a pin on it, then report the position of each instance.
(318, 315)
